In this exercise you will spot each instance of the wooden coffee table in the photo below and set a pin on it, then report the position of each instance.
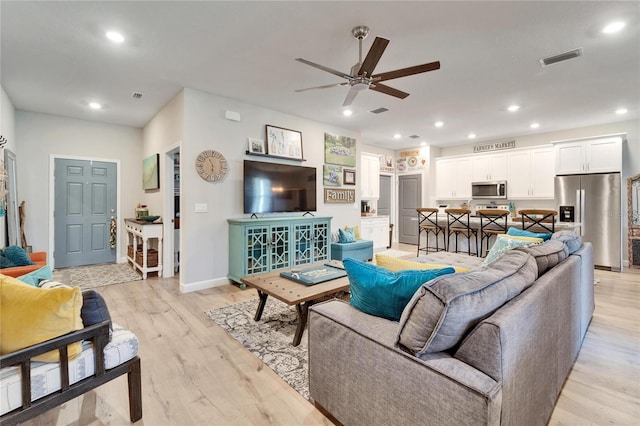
(293, 293)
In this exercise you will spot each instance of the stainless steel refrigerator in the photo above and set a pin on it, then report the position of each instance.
(594, 200)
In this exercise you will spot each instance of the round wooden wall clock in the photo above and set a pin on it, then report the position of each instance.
(211, 166)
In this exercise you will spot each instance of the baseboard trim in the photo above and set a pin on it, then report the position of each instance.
(202, 285)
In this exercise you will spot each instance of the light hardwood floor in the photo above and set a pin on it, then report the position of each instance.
(193, 373)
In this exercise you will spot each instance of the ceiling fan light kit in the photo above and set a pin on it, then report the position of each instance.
(362, 77)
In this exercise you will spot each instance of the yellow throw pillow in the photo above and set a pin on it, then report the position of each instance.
(30, 315)
(517, 237)
(394, 264)
(356, 231)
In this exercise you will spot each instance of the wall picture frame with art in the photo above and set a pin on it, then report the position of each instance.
(285, 143)
(349, 177)
(339, 150)
(151, 172)
(331, 175)
(257, 146)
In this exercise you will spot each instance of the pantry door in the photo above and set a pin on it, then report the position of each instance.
(409, 198)
(85, 221)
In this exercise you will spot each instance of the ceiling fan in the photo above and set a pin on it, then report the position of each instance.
(361, 76)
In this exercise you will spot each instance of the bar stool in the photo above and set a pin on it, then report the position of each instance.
(539, 219)
(428, 223)
(458, 223)
(492, 222)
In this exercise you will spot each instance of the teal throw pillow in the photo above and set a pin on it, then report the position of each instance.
(34, 278)
(347, 236)
(5, 262)
(380, 292)
(18, 256)
(503, 245)
(522, 233)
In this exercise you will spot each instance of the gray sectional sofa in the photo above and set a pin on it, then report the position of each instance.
(486, 347)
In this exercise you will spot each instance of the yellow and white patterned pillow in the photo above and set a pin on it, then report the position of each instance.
(395, 264)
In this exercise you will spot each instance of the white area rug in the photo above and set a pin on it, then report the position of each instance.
(396, 253)
(269, 339)
(93, 276)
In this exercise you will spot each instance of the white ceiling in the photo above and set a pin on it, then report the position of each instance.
(55, 59)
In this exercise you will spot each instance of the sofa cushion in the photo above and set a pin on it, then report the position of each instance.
(346, 236)
(382, 293)
(30, 315)
(516, 232)
(547, 254)
(94, 309)
(441, 313)
(504, 243)
(355, 230)
(395, 264)
(572, 240)
(18, 256)
(34, 278)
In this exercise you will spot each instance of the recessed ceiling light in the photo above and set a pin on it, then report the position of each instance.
(94, 105)
(397, 136)
(472, 135)
(438, 124)
(621, 111)
(423, 143)
(513, 108)
(115, 37)
(535, 125)
(347, 113)
(613, 27)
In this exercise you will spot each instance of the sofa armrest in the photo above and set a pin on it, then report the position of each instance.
(359, 377)
(38, 256)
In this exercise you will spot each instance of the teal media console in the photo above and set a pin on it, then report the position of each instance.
(267, 244)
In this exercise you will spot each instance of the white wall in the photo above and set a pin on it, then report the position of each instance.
(41, 136)
(7, 130)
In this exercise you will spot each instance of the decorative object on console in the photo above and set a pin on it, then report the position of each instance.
(339, 150)
(285, 143)
(151, 172)
(211, 166)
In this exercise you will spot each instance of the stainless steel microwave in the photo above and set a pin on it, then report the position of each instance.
(488, 190)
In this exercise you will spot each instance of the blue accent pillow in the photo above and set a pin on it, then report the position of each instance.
(347, 236)
(5, 262)
(522, 233)
(34, 278)
(18, 256)
(94, 309)
(380, 292)
(503, 245)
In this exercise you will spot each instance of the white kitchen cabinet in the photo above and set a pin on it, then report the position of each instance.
(488, 168)
(369, 177)
(453, 178)
(530, 174)
(376, 229)
(601, 155)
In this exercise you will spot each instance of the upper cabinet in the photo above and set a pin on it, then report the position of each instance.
(370, 176)
(602, 155)
(453, 178)
(489, 168)
(530, 174)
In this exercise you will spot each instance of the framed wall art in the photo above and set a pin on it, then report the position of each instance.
(257, 146)
(283, 142)
(349, 177)
(331, 175)
(150, 172)
(339, 150)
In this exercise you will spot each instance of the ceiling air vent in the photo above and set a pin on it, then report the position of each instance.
(414, 137)
(379, 110)
(550, 60)
(137, 95)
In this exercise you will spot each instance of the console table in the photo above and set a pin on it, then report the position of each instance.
(142, 231)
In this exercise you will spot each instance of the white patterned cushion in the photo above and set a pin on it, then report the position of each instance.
(45, 376)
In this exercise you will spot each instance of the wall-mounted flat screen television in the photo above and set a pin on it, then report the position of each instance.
(273, 188)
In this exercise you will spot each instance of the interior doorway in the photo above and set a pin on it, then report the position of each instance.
(171, 236)
(409, 198)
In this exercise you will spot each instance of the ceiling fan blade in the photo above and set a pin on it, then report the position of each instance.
(350, 97)
(323, 68)
(417, 69)
(326, 86)
(388, 90)
(374, 55)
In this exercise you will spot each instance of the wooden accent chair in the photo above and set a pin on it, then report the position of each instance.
(492, 222)
(458, 223)
(427, 224)
(538, 220)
